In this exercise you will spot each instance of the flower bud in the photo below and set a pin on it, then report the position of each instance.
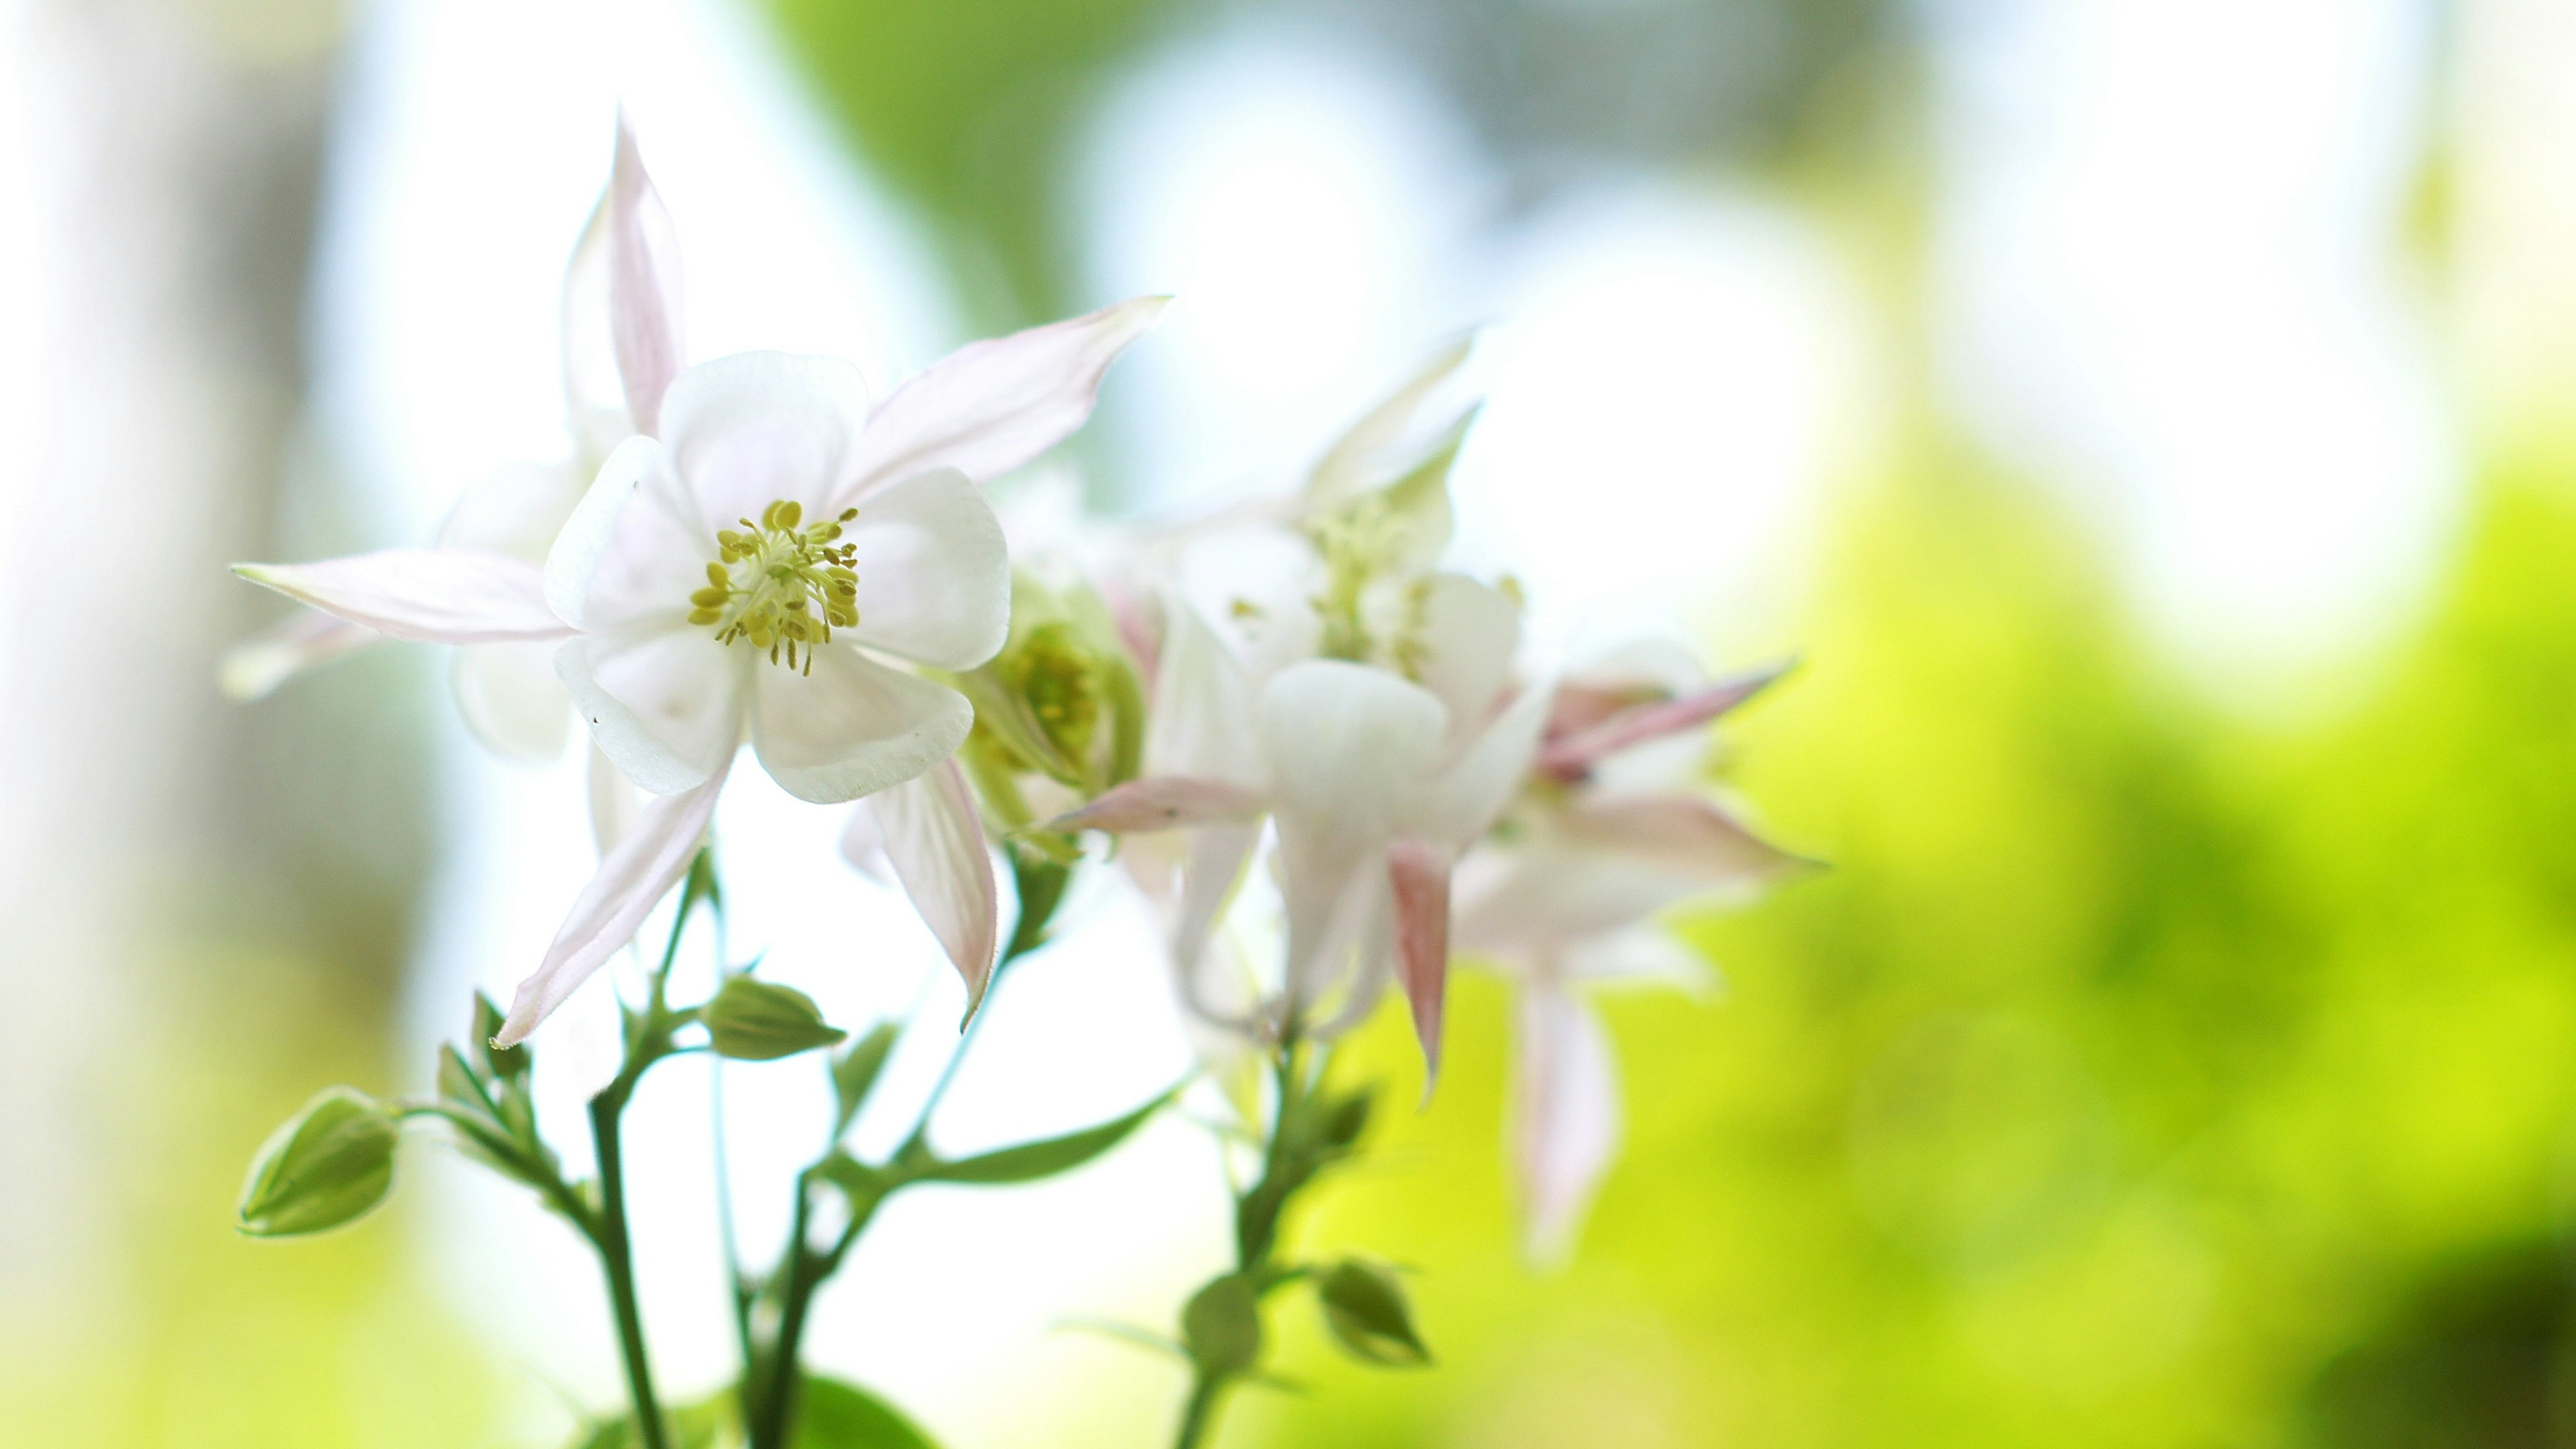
(328, 1166)
(757, 1021)
(1365, 1308)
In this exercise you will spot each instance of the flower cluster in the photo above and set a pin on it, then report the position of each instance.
(1328, 760)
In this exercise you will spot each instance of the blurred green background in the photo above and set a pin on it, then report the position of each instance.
(2147, 1071)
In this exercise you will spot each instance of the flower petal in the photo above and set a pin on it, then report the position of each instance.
(613, 802)
(511, 700)
(1418, 872)
(664, 704)
(1360, 456)
(1572, 756)
(1567, 1116)
(993, 405)
(631, 879)
(934, 574)
(1645, 953)
(516, 509)
(643, 285)
(1464, 801)
(1680, 833)
(863, 845)
(935, 841)
(1347, 746)
(439, 595)
(1210, 871)
(748, 430)
(1516, 899)
(852, 727)
(1201, 722)
(1470, 631)
(633, 550)
(1164, 802)
(305, 639)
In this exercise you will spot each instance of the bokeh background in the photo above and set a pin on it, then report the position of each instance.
(2148, 420)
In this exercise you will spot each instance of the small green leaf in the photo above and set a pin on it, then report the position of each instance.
(329, 1165)
(854, 1073)
(1365, 1308)
(760, 1021)
(1221, 1326)
(1341, 1123)
(702, 1425)
(863, 1185)
(1033, 1160)
(503, 1064)
(833, 1415)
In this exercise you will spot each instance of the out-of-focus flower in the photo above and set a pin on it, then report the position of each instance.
(1609, 832)
(737, 575)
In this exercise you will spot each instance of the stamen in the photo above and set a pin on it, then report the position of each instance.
(773, 580)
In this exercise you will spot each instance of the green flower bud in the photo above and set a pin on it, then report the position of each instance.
(328, 1166)
(1365, 1308)
(757, 1021)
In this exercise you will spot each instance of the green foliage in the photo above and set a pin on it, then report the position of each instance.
(1030, 1161)
(326, 1167)
(831, 1414)
(1366, 1311)
(854, 1073)
(752, 1020)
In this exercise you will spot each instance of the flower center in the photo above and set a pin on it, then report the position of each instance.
(782, 584)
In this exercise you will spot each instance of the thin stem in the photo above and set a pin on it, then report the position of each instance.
(1257, 1215)
(776, 1409)
(735, 1278)
(617, 1259)
(1198, 1417)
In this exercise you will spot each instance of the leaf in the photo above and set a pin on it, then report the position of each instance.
(702, 1425)
(831, 1414)
(1033, 1160)
(1221, 1326)
(328, 1166)
(863, 1185)
(502, 1064)
(761, 1021)
(1341, 1123)
(1365, 1308)
(854, 1073)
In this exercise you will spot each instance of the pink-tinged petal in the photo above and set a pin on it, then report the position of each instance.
(935, 841)
(754, 428)
(991, 406)
(664, 704)
(437, 595)
(863, 845)
(1680, 833)
(1566, 1116)
(631, 880)
(1164, 802)
(516, 509)
(851, 726)
(643, 285)
(1349, 747)
(1465, 800)
(1361, 456)
(1200, 724)
(1513, 900)
(1571, 756)
(305, 639)
(1419, 875)
(633, 549)
(511, 700)
(934, 574)
(1644, 954)
(614, 803)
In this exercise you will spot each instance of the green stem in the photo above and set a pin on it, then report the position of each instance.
(616, 1257)
(1199, 1416)
(1257, 1215)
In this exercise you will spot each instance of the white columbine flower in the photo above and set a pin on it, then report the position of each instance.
(1610, 832)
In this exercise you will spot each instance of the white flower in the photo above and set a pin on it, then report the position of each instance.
(1374, 782)
(1609, 834)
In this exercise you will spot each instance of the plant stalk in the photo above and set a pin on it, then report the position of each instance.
(617, 1260)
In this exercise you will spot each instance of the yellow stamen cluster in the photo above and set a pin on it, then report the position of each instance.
(782, 584)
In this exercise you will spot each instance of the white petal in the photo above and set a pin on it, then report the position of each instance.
(1469, 633)
(1257, 586)
(935, 841)
(1418, 876)
(852, 727)
(511, 700)
(1361, 455)
(934, 574)
(1680, 833)
(1644, 954)
(863, 845)
(1464, 801)
(614, 803)
(1201, 723)
(643, 285)
(516, 509)
(440, 595)
(1347, 746)
(991, 406)
(1566, 1116)
(752, 429)
(633, 877)
(664, 704)
(305, 639)
(1210, 872)
(1164, 802)
(1535, 897)
(633, 550)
